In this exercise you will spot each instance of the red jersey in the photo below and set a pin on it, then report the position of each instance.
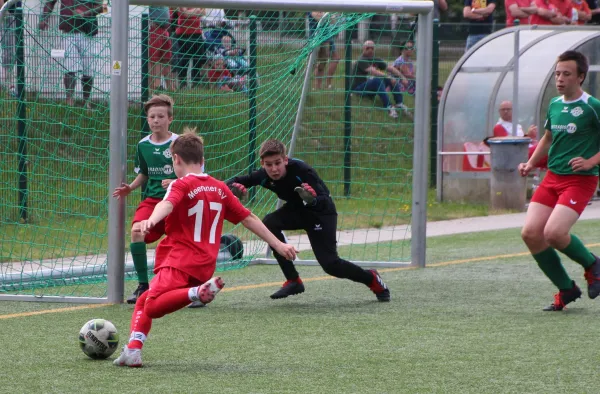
(562, 7)
(510, 20)
(188, 24)
(200, 205)
(500, 131)
(584, 7)
(215, 75)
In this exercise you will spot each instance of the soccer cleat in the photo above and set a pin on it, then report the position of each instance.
(289, 288)
(392, 112)
(404, 109)
(592, 276)
(208, 290)
(196, 304)
(142, 287)
(129, 358)
(379, 287)
(564, 297)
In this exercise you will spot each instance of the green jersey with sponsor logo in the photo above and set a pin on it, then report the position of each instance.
(154, 160)
(575, 128)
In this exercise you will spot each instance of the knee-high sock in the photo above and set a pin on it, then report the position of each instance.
(141, 324)
(577, 252)
(140, 260)
(549, 262)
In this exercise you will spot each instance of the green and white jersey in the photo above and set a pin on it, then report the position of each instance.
(575, 128)
(154, 160)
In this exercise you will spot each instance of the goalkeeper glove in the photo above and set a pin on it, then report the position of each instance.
(306, 193)
(238, 190)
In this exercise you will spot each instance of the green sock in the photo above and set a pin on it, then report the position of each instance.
(140, 260)
(577, 252)
(549, 262)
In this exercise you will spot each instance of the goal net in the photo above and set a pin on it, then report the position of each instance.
(238, 77)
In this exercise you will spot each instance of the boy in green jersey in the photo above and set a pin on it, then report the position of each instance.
(154, 166)
(572, 142)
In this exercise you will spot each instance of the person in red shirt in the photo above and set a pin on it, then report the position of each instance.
(519, 9)
(220, 75)
(552, 12)
(584, 14)
(195, 207)
(190, 44)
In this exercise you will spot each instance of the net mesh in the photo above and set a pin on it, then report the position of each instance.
(234, 76)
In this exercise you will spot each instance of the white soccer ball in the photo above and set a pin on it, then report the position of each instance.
(98, 338)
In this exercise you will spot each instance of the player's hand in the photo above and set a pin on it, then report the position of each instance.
(287, 251)
(525, 168)
(122, 191)
(146, 225)
(580, 164)
(306, 193)
(43, 25)
(166, 182)
(238, 190)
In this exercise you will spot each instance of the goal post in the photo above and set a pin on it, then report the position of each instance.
(65, 239)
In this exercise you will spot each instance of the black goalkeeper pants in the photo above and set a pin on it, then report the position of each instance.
(321, 231)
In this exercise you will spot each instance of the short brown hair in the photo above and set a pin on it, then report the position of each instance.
(272, 148)
(579, 58)
(160, 100)
(189, 146)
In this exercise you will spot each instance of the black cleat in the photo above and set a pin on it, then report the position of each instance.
(142, 287)
(592, 276)
(289, 288)
(379, 287)
(564, 297)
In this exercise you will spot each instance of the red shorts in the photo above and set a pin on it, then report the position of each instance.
(573, 191)
(143, 212)
(159, 45)
(169, 278)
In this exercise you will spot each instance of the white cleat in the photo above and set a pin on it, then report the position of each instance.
(129, 358)
(208, 290)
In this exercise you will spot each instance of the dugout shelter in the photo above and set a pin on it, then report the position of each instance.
(515, 64)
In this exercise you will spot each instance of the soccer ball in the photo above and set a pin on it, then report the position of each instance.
(98, 339)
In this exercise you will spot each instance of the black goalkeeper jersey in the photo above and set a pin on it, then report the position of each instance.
(297, 172)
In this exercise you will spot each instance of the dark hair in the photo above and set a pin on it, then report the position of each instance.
(160, 100)
(189, 146)
(405, 43)
(271, 148)
(579, 58)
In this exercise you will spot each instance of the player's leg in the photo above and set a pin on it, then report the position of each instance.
(334, 59)
(131, 356)
(538, 213)
(575, 193)
(285, 219)
(321, 231)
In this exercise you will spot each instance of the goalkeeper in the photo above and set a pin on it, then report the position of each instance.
(308, 207)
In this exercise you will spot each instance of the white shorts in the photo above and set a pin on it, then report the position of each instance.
(80, 53)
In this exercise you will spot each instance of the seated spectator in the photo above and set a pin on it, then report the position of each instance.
(234, 59)
(584, 14)
(220, 75)
(519, 9)
(504, 127)
(405, 64)
(370, 78)
(552, 12)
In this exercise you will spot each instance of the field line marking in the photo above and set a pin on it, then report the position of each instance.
(271, 284)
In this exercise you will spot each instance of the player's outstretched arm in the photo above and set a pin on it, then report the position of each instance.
(161, 211)
(254, 224)
(125, 189)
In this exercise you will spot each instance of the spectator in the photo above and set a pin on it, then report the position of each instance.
(552, 12)
(326, 54)
(220, 75)
(405, 64)
(595, 11)
(234, 59)
(480, 16)
(8, 46)
(79, 24)
(370, 79)
(439, 6)
(504, 127)
(190, 44)
(519, 10)
(584, 14)
(159, 51)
